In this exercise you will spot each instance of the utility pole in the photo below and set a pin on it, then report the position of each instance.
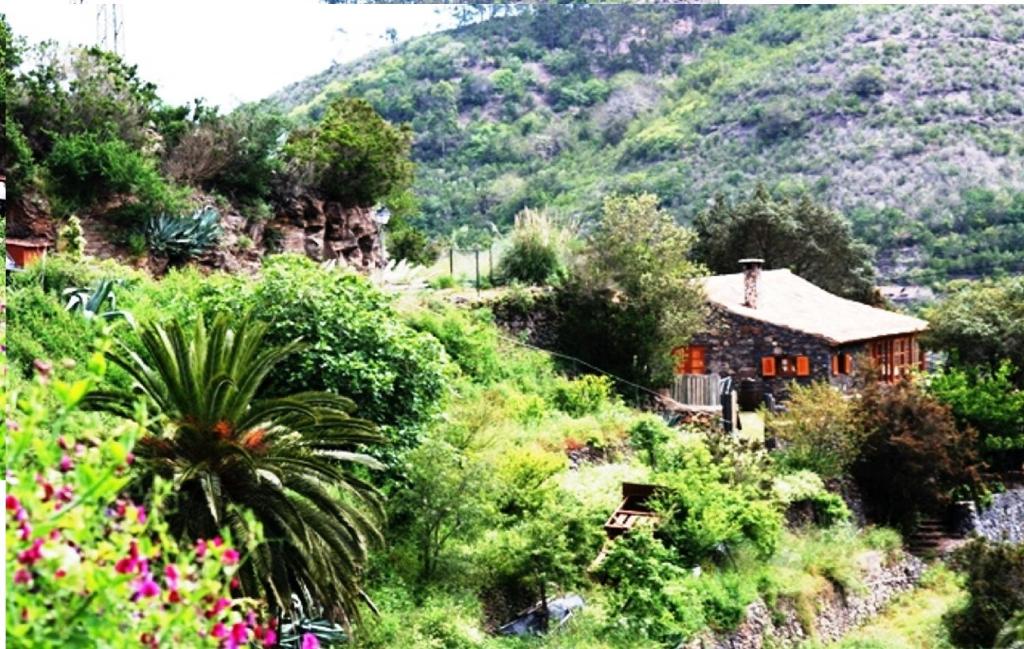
(110, 27)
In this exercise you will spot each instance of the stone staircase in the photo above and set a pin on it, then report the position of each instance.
(932, 538)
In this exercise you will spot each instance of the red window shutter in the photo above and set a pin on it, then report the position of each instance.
(768, 366)
(803, 366)
(835, 364)
(696, 360)
(848, 364)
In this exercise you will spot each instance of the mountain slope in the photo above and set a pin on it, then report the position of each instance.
(908, 119)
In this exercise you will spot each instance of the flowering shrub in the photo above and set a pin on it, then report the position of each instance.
(86, 564)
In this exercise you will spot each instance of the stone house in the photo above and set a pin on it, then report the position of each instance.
(776, 327)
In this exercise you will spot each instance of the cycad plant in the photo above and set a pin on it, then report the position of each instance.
(236, 457)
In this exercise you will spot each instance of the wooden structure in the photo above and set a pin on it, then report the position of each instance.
(696, 390)
(24, 252)
(633, 511)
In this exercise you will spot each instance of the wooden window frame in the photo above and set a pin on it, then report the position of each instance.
(690, 359)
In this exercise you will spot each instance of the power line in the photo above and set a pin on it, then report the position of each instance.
(581, 362)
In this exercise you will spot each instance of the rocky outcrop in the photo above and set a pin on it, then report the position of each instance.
(834, 613)
(324, 230)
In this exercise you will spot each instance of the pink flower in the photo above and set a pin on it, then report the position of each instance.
(140, 514)
(12, 503)
(239, 633)
(217, 541)
(26, 531)
(230, 557)
(146, 587)
(33, 554)
(221, 604)
(309, 641)
(65, 494)
(126, 565)
(129, 459)
(22, 576)
(200, 548)
(219, 631)
(66, 464)
(269, 638)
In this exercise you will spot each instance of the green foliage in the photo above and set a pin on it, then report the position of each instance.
(469, 338)
(986, 401)
(913, 457)
(90, 303)
(242, 461)
(981, 323)
(804, 236)
(583, 395)
(41, 328)
(807, 487)
(649, 435)
(818, 429)
(867, 83)
(995, 586)
(712, 506)
(632, 299)
(354, 343)
(536, 252)
(352, 154)
(180, 238)
(1011, 636)
(85, 168)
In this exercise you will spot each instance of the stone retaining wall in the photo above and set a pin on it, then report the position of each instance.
(1002, 521)
(836, 614)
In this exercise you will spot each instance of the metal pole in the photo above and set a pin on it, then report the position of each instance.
(477, 251)
(490, 263)
(451, 261)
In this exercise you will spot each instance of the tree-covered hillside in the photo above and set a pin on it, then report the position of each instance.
(907, 119)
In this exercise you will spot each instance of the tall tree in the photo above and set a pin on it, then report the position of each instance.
(806, 237)
(632, 299)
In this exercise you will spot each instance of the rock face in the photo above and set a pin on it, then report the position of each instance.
(324, 230)
(835, 614)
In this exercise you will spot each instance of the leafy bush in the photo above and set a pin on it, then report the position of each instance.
(354, 342)
(807, 487)
(584, 395)
(535, 255)
(819, 430)
(632, 299)
(184, 237)
(469, 337)
(711, 506)
(86, 168)
(353, 155)
(995, 586)
(988, 401)
(913, 457)
(868, 82)
(70, 239)
(40, 328)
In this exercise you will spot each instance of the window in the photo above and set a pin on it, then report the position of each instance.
(842, 364)
(786, 366)
(689, 359)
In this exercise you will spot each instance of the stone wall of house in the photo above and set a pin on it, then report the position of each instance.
(736, 344)
(835, 615)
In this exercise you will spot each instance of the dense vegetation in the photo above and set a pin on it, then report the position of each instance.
(872, 110)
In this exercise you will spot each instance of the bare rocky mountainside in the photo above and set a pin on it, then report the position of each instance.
(910, 120)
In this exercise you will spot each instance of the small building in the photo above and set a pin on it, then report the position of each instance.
(776, 327)
(23, 252)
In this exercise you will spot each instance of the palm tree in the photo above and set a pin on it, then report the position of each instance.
(235, 457)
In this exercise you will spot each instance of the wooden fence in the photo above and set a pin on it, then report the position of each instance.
(696, 389)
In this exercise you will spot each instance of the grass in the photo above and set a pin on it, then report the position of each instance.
(914, 620)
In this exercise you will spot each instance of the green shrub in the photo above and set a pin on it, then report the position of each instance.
(39, 327)
(649, 435)
(535, 256)
(469, 337)
(584, 395)
(819, 430)
(995, 586)
(85, 168)
(352, 154)
(868, 82)
(805, 486)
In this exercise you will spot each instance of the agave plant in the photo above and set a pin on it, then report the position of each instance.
(235, 457)
(184, 237)
(90, 303)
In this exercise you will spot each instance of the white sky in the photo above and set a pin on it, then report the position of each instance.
(228, 51)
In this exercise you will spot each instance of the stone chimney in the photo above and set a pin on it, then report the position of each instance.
(751, 276)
